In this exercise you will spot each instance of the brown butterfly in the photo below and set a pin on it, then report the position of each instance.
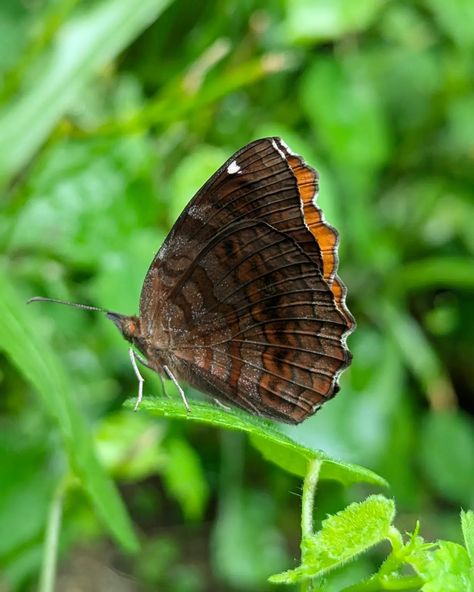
(242, 301)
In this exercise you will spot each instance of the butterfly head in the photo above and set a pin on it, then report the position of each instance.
(128, 326)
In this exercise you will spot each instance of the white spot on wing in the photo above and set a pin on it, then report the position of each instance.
(234, 168)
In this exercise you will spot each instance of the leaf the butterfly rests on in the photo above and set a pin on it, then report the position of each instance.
(243, 301)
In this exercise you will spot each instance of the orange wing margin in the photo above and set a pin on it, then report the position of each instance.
(326, 235)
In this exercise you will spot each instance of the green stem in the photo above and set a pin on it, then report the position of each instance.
(403, 583)
(309, 491)
(307, 508)
(50, 549)
(395, 538)
(396, 557)
(377, 584)
(370, 585)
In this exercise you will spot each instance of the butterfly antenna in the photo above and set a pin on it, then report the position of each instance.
(67, 303)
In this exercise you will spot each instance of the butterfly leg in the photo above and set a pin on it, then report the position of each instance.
(141, 359)
(134, 357)
(163, 387)
(181, 392)
(222, 405)
(145, 363)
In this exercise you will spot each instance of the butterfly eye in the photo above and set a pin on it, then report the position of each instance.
(130, 328)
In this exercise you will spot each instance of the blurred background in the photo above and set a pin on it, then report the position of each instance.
(112, 114)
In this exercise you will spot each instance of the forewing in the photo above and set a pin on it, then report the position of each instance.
(263, 181)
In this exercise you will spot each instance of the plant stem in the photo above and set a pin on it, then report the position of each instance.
(309, 491)
(377, 584)
(370, 585)
(403, 583)
(50, 549)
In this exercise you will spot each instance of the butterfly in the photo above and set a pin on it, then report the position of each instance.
(243, 301)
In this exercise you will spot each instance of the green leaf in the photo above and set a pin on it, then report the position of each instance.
(131, 446)
(90, 232)
(192, 491)
(26, 489)
(343, 107)
(342, 537)
(418, 353)
(467, 524)
(308, 21)
(274, 445)
(447, 455)
(445, 570)
(80, 48)
(435, 272)
(36, 361)
(294, 458)
(456, 18)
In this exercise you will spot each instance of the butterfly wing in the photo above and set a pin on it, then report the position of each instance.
(246, 286)
(258, 325)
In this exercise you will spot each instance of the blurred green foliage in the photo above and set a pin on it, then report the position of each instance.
(112, 113)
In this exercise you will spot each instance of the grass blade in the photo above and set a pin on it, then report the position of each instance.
(39, 365)
(80, 48)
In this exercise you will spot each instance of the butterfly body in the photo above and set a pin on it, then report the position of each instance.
(242, 301)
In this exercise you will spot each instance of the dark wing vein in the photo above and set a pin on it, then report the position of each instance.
(250, 305)
(283, 346)
(274, 284)
(283, 320)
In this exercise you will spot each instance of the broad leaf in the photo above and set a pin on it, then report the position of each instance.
(274, 445)
(342, 537)
(445, 570)
(467, 524)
